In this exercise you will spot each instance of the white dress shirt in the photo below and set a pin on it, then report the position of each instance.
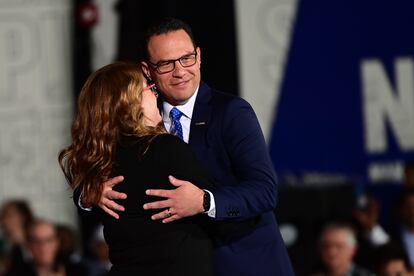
(185, 120)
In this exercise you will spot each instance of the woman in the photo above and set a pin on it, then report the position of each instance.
(118, 131)
(15, 216)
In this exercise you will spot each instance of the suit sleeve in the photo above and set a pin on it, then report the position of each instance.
(183, 164)
(81, 210)
(256, 189)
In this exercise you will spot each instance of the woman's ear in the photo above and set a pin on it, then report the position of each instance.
(145, 69)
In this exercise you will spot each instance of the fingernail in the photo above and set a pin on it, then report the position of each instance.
(147, 192)
(145, 206)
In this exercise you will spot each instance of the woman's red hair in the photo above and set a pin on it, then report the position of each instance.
(109, 106)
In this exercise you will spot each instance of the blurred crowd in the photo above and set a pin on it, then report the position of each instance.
(34, 246)
(357, 246)
(362, 246)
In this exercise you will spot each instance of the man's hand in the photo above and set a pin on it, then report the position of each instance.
(184, 201)
(106, 202)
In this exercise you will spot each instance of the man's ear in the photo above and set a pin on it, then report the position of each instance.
(198, 50)
(146, 70)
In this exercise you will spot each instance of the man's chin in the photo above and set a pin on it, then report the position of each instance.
(181, 101)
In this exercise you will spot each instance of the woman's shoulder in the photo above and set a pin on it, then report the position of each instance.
(167, 138)
(148, 140)
(168, 142)
(161, 147)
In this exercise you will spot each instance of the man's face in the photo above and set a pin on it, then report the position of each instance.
(336, 249)
(43, 244)
(180, 84)
(11, 221)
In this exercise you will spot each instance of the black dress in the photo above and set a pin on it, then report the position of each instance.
(140, 246)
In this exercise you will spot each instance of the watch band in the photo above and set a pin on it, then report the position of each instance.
(206, 201)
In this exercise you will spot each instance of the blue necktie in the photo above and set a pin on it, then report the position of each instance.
(176, 127)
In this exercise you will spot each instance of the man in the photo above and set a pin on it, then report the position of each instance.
(337, 248)
(15, 216)
(43, 245)
(225, 135)
(370, 234)
(403, 235)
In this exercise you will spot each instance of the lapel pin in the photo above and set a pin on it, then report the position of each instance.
(200, 123)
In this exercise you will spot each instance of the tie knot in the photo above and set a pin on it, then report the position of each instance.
(176, 127)
(175, 114)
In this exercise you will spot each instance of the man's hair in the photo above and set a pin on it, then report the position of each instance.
(340, 226)
(388, 253)
(164, 26)
(36, 222)
(22, 208)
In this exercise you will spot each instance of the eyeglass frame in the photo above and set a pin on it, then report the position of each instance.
(172, 61)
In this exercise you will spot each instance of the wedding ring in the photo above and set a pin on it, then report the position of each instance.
(169, 212)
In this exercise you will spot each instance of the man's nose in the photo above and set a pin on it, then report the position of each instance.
(179, 70)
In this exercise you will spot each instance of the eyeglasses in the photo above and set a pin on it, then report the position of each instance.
(167, 66)
(42, 240)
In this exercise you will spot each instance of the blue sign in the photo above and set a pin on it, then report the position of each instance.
(347, 98)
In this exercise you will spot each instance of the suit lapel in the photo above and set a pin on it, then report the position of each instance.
(201, 117)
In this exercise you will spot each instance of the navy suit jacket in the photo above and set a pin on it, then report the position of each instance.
(227, 139)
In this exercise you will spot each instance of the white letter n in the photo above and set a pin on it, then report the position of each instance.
(383, 104)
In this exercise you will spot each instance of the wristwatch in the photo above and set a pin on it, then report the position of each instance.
(206, 201)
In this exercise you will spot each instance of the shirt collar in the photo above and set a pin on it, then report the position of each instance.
(186, 108)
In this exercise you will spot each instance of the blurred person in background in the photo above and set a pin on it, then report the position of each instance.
(100, 264)
(370, 234)
(68, 252)
(15, 216)
(391, 260)
(43, 245)
(337, 248)
(403, 233)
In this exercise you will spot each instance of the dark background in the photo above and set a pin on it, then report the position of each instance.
(212, 23)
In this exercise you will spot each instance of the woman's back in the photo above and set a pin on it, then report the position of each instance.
(139, 245)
